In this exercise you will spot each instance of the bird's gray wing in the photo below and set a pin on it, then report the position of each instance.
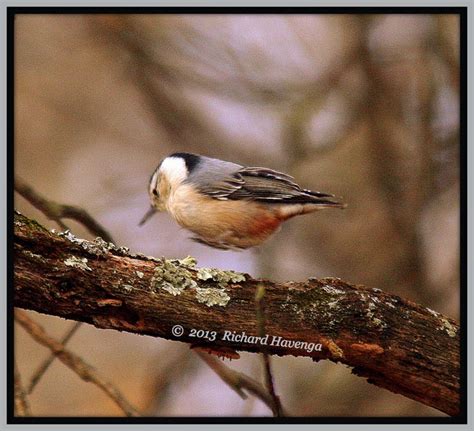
(263, 185)
(217, 178)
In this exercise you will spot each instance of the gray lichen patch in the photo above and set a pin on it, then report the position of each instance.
(188, 261)
(126, 287)
(77, 262)
(212, 296)
(97, 247)
(379, 323)
(20, 220)
(324, 309)
(375, 321)
(100, 246)
(176, 275)
(434, 313)
(333, 304)
(222, 278)
(293, 308)
(17, 218)
(170, 288)
(447, 326)
(171, 277)
(34, 256)
(332, 290)
(139, 274)
(141, 256)
(204, 274)
(70, 237)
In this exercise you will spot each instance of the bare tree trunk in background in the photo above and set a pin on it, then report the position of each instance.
(402, 171)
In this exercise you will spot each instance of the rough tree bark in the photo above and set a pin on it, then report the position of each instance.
(395, 343)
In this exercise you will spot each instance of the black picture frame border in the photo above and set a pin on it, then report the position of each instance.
(13, 11)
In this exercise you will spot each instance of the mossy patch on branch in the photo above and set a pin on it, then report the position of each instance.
(176, 275)
(222, 278)
(98, 247)
(172, 277)
(21, 220)
(212, 296)
(77, 262)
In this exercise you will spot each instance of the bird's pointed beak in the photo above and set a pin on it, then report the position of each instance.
(147, 216)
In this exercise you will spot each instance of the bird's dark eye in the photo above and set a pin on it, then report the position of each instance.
(155, 192)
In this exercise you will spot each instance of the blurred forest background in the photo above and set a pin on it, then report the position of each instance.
(362, 106)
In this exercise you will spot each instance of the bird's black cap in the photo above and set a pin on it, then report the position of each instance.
(191, 160)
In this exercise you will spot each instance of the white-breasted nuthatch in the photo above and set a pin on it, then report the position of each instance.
(226, 205)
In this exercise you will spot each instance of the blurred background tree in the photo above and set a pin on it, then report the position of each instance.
(363, 106)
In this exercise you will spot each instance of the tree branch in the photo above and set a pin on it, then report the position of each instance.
(260, 313)
(74, 362)
(57, 212)
(238, 381)
(22, 405)
(395, 343)
(43, 367)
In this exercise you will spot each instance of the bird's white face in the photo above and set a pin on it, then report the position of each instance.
(174, 170)
(171, 173)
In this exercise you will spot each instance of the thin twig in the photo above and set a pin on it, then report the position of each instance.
(74, 362)
(47, 362)
(51, 210)
(276, 404)
(22, 406)
(56, 211)
(236, 380)
(226, 374)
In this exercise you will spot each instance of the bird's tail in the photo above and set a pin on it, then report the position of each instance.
(323, 200)
(308, 202)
